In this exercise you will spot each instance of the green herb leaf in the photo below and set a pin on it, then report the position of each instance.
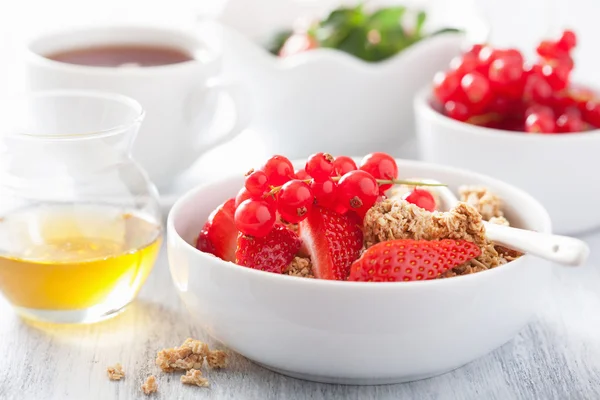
(387, 18)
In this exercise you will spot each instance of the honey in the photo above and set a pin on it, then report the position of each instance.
(75, 257)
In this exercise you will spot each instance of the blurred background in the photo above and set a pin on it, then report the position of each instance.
(517, 22)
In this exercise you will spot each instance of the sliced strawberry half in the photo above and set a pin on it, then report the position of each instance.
(333, 241)
(271, 253)
(219, 234)
(411, 260)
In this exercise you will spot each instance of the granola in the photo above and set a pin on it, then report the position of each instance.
(115, 372)
(390, 220)
(398, 192)
(194, 377)
(189, 355)
(150, 386)
(217, 359)
(300, 266)
(487, 203)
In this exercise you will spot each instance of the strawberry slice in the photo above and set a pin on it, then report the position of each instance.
(271, 253)
(411, 260)
(219, 234)
(333, 242)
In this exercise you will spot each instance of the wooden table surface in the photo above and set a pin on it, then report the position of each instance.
(556, 357)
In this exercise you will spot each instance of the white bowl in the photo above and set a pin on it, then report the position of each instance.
(325, 99)
(352, 332)
(561, 171)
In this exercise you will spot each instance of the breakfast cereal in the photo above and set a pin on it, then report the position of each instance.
(115, 372)
(194, 377)
(150, 386)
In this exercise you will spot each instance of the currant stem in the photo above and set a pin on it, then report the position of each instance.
(398, 182)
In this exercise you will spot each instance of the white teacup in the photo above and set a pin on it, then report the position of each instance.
(180, 99)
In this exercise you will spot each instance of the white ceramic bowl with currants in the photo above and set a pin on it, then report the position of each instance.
(356, 332)
(560, 170)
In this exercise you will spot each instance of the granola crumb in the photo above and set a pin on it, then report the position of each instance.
(390, 220)
(217, 359)
(115, 372)
(397, 192)
(194, 377)
(300, 266)
(487, 203)
(178, 359)
(198, 347)
(150, 386)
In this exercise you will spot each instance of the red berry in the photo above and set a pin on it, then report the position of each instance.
(503, 72)
(294, 201)
(464, 64)
(486, 56)
(358, 191)
(279, 170)
(475, 49)
(218, 236)
(242, 195)
(539, 123)
(537, 90)
(380, 166)
(325, 193)
(457, 111)
(302, 175)
(591, 113)
(539, 109)
(271, 253)
(500, 105)
(255, 217)
(570, 121)
(333, 241)
(567, 41)
(421, 198)
(477, 89)
(557, 76)
(446, 85)
(342, 165)
(319, 166)
(411, 260)
(549, 49)
(257, 183)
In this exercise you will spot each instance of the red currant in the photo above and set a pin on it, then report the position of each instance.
(254, 217)
(342, 165)
(319, 166)
(302, 175)
(549, 49)
(358, 191)
(279, 170)
(538, 122)
(457, 111)
(325, 192)
(295, 200)
(500, 105)
(570, 121)
(380, 166)
(477, 88)
(421, 198)
(539, 109)
(567, 41)
(475, 49)
(504, 72)
(557, 76)
(591, 113)
(537, 90)
(446, 85)
(242, 195)
(257, 183)
(464, 64)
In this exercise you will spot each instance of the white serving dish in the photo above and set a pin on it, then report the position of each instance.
(350, 332)
(561, 171)
(325, 100)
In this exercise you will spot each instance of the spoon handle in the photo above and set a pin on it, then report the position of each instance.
(560, 249)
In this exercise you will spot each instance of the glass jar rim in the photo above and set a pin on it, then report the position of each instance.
(85, 94)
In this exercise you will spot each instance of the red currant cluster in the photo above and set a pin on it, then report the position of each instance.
(335, 183)
(496, 88)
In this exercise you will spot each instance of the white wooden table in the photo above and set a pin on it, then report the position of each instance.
(556, 357)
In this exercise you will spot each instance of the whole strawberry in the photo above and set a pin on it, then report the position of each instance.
(411, 260)
(271, 253)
